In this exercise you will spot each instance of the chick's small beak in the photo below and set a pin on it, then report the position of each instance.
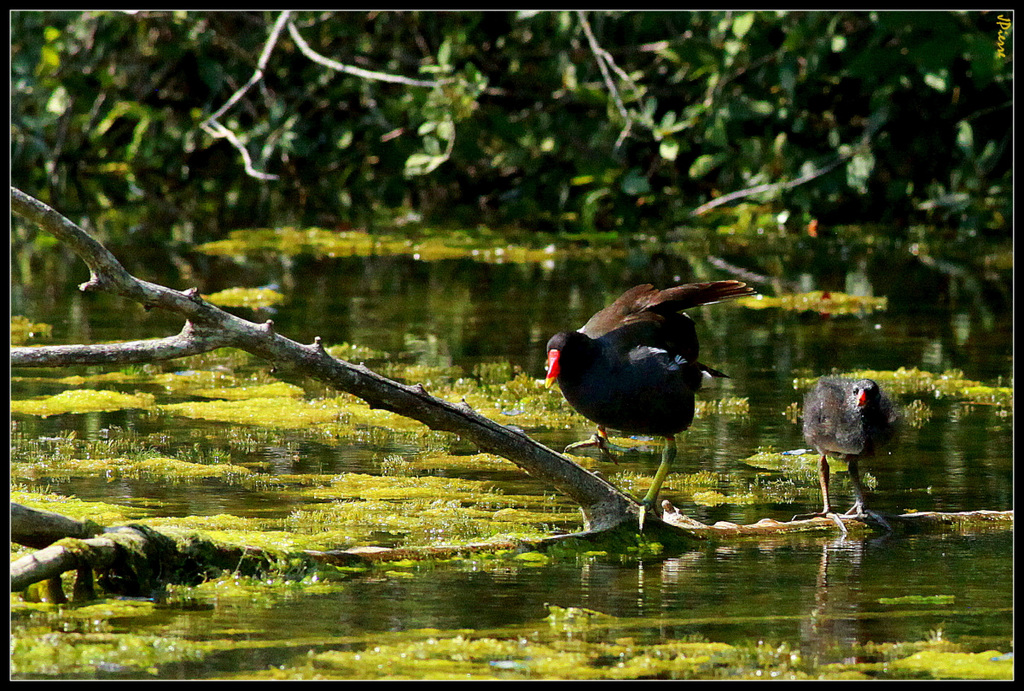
(862, 398)
(553, 368)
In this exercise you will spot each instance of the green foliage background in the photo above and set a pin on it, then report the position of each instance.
(912, 111)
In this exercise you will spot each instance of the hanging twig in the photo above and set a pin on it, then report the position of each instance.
(219, 131)
(604, 60)
(216, 129)
(261, 63)
(862, 144)
(769, 187)
(349, 69)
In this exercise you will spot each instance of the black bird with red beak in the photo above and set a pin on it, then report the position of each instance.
(633, 367)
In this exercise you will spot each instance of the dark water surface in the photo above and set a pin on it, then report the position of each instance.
(820, 596)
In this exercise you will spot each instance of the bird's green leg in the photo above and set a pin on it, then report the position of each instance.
(667, 456)
(647, 504)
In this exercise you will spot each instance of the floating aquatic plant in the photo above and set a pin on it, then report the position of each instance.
(824, 302)
(422, 245)
(22, 330)
(918, 600)
(280, 412)
(237, 393)
(253, 298)
(82, 401)
(950, 383)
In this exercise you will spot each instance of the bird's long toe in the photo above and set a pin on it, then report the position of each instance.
(859, 511)
(594, 440)
(833, 516)
(603, 445)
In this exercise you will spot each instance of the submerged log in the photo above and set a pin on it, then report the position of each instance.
(934, 522)
(135, 560)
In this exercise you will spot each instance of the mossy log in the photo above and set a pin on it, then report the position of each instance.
(130, 560)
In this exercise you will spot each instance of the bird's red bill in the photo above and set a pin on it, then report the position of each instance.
(553, 366)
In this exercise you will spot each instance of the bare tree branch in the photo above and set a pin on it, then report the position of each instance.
(261, 63)
(350, 69)
(603, 505)
(862, 144)
(141, 557)
(219, 131)
(191, 341)
(604, 60)
(770, 187)
(37, 528)
(215, 128)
